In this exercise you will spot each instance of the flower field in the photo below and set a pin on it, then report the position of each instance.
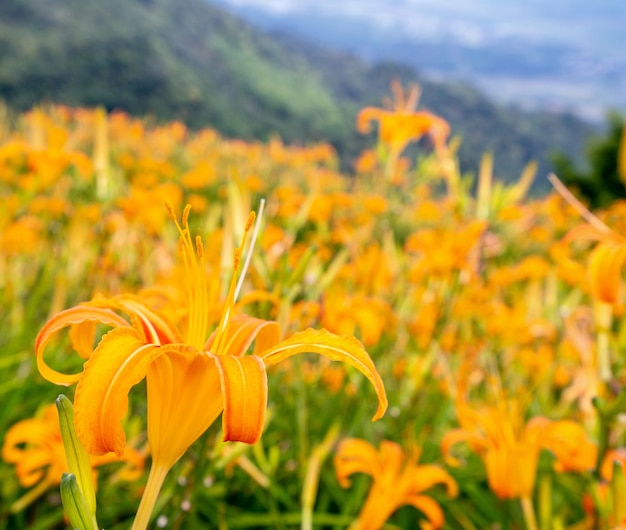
(405, 347)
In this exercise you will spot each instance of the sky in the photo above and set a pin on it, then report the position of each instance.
(593, 25)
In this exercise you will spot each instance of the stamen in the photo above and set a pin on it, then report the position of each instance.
(250, 221)
(199, 247)
(237, 280)
(170, 210)
(195, 273)
(255, 233)
(186, 216)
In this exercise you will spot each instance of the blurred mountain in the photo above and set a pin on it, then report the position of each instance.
(192, 61)
(562, 55)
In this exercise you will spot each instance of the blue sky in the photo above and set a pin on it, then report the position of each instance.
(595, 25)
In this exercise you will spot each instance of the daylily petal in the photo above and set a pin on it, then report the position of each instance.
(70, 317)
(32, 460)
(366, 116)
(184, 399)
(377, 508)
(356, 456)
(605, 271)
(428, 507)
(519, 461)
(244, 387)
(156, 328)
(34, 445)
(426, 476)
(391, 457)
(119, 362)
(477, 442)
(82, 336)
(242, 330)
(588, 232)
(336, 348)
(569, 443)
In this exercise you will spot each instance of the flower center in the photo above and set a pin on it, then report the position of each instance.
(192, 251)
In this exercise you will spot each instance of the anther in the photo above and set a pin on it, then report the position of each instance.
(186, 215)
(170, 210)
(250, 221)
(199, 247)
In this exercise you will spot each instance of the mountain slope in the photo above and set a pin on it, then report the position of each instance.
(189, 60)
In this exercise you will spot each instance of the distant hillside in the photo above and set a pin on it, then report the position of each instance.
(563, 54)
(189, 60)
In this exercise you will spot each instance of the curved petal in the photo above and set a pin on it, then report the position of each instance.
(33, 466)
(244, 387)
(588, 232)
(70, 317)
(391, 457)
(455, 436)
(82, 336)
(356, 456)
(132, 469)
(24, 432)
(421, 478)
(242, 330)
(428, 507)
(569, 443)
(605, 271)
(119, 362)
(366, 116)
(379, 505)
(156, 328)
(336, 348)
(33, 446)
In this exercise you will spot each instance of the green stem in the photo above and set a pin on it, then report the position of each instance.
(603, 441)
(529, 513)
(30, 496)
(150, 496)
(545, 501)
(604, 319)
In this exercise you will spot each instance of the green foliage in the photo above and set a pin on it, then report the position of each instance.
(191, 61)
(600, 184)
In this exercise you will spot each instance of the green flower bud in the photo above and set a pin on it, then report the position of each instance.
(77, 458)
(75, 506)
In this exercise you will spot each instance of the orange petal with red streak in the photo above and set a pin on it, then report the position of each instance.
(244, 388)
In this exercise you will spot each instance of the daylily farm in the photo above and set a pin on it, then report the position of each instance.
(201, 332)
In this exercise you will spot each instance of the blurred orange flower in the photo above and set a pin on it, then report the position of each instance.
(510, 448)
(402, 124)
(36, 448)
(398, 479)
(606, 261)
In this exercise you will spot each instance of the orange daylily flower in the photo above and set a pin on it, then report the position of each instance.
(402, 123)
(398, 480)
(36, 448)
(510, 448)
(606, 260)
(190, 378)
(571, 446)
